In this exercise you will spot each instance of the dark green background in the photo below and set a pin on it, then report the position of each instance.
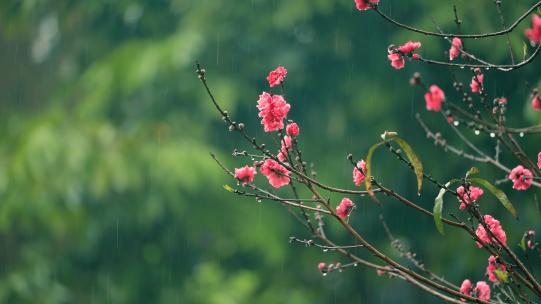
(107, 192)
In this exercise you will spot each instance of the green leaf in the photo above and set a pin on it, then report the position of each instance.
(500, 195)
(472, 171)
(522, 243)
(228, 188)
(368, 173)
(438, 208)
(501, 275)
(414, 160)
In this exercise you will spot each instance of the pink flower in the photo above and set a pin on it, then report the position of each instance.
(521, 177)
(245, 174)
(409, 47)
(277, 175)
(434, 98)
(358, 176)
(496, 229)
(396, 56)
(286, 144)
(277, 76)
(536, 102)
(483, 290)
(456, 45)
(539, 160)
(364, 5)
(397, 61)
(468, 197)
(344, 208)
(493, 265)
(465, 288)
(322, 267)
(534, 34)
(380, 272)
(272, 109)
(476, 84)
(502, 101)
(530, 234)
(292, 129)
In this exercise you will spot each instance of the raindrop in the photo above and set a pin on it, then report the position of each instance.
(456, 123)
(487, 68)
(355, 265)
(477, 132)
(521, 134)
(325, 250)
(324, 274)
(462, 67)
(492, 134)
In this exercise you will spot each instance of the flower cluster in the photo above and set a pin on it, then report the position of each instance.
(456, 46)
(344, 208)
(522, 178)
(495, 228)
(276, 77)
(434, 98)
(476, 84)
(396, 55)
(481, 290)
(277, 174)
(492, 266)
(293, 129)
(468, 196)
(364, 5)
(358, 175)
(324, 268)
(245, 174)
(534, 33)
(286, 144)
(272, 109)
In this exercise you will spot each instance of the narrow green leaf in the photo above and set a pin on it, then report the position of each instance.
(522, 243)
(368, 173)
(499, 194)
(438, 208)
(228, 188)
(414, 160)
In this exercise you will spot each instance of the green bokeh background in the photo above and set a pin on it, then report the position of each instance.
(107, 190)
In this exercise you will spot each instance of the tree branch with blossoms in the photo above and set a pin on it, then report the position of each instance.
(470, 111)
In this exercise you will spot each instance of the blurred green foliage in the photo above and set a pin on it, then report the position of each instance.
(107, 192)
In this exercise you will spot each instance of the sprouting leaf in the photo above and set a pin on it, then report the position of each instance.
(501, 275)
(414, 160)
(524, 50)
(228, 188)
(368, 171)
(500, 195)
(438, 208)
(472, 171)
(522, 243)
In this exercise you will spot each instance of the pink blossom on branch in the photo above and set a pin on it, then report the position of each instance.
(245, 174)
(482, 290)
(456, 46)
(276, 77)
(396, 56)
(434, 98)
(492, 266)
(277, 174)
(364, 5)
(476, 84)
(522, 178)
(465, 288)
(534, 33)
(539, 160)
(536, 102)
(272, 109)
(397, 61)
(358, 175)
(496, 229)
(286, 144)
(293, 129)
(344, 208)
(468, 197)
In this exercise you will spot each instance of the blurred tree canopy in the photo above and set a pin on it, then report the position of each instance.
(107, 192)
